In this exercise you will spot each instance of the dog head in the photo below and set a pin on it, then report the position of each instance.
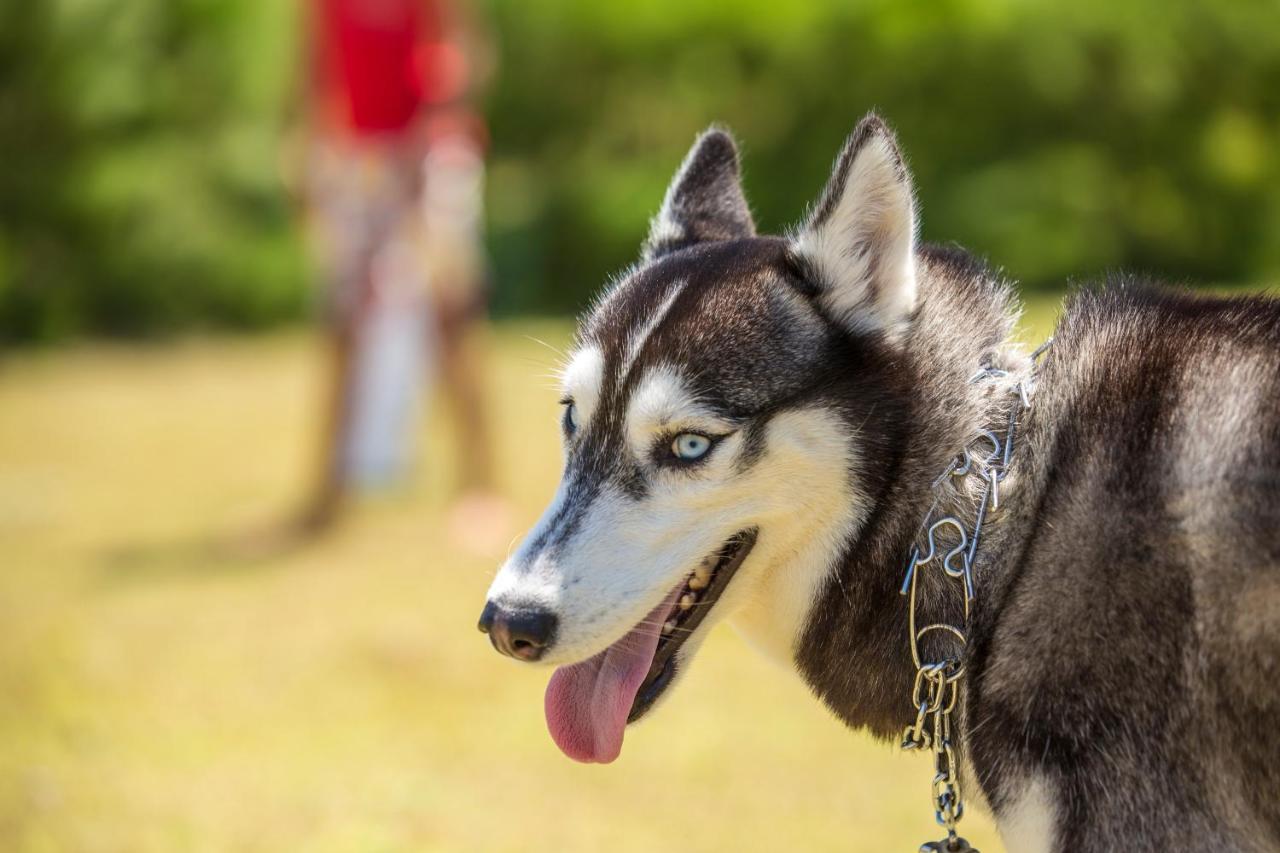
(712, 416)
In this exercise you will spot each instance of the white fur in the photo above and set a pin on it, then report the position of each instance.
(864, 251)
(530, 583)
(581, 380)
(623, 559)
(1029, 824)
(662, 403)
(813, 508)
(627, 555)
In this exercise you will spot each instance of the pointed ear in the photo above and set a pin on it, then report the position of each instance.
(859, 242)
(704, 201)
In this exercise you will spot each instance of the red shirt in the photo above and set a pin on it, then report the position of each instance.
(379, 62)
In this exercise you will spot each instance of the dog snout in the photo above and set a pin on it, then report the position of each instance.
(524, 633)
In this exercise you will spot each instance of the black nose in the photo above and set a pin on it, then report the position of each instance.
(524, 633)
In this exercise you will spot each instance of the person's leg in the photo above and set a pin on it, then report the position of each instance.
(453, 171)
(322, 508)
(342, 219)
(480, 518)
(462, 378)
(328, 486)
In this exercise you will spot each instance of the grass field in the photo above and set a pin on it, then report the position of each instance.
(156, 697)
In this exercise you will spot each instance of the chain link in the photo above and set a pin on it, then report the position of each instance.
(936, 690)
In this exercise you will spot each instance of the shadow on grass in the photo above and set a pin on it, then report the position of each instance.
(198, 556)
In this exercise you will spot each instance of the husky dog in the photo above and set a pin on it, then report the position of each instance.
(751, 429)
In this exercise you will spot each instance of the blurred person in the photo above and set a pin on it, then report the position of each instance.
(394, 161)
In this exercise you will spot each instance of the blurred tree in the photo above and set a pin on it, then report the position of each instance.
(139, 141)
(43, 238)
(139, 190)
(1060, 140)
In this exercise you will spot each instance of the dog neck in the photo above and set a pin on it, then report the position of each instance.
(854, 652)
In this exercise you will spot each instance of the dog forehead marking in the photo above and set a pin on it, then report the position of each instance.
(661, 395)
(641, 332)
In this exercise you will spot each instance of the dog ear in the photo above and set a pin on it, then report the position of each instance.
(704, 201)
(858, 245)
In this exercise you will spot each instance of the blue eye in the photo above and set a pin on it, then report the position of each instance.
(690, 446)
(570, 421)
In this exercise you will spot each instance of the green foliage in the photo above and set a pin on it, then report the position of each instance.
(138, 192)
(1060, 140)
(140, 141)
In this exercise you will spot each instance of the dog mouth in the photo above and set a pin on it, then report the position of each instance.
(695, 598)
(589, 704)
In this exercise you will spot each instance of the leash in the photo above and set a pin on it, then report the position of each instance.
(936, 689)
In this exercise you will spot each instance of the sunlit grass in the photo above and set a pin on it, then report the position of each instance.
(157, 697)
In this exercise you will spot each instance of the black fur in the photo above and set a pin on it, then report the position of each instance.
(1106, 654)
(1116, 652)
(1124, 650)
(1124, 644)
(705, 203)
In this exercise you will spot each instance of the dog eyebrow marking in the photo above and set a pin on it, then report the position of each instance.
(660, 396)
(642, 332)
(581, 379)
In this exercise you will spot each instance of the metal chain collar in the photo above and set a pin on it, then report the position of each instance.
(936, 689)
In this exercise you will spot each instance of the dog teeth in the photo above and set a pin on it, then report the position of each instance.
(701, 576)
(687, 600)
(669, 627)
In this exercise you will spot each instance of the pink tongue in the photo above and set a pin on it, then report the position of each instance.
(587, 704)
